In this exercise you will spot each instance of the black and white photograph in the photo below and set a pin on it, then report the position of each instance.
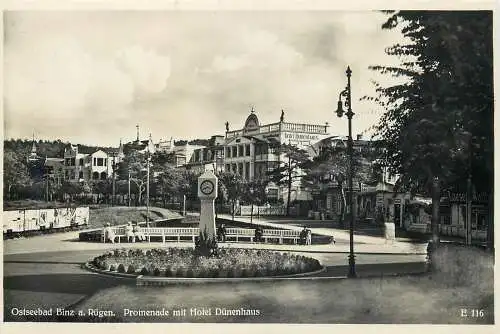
(249, 166)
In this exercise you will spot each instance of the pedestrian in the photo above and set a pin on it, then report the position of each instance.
(129, 232)
(109, 234)
(303, 236)
(137, 233)
(258, 234)
(308, 237)
(223, 232)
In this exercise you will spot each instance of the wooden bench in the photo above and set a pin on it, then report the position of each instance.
(193, 232)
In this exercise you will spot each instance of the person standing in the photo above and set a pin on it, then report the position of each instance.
(109, 234)
(129, 232)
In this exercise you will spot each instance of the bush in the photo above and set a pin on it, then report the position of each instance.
(144, 271)
(189, 273)
(121, 268)
(112, 267)
(168, 272)
(131, 269)
(157, 272)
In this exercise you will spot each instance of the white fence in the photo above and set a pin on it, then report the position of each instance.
(447, 230)
(245, 210)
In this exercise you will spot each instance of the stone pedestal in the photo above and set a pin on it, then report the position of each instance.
(389, 231)
(207, 192)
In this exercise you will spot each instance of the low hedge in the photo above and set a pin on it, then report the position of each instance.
(184, 263)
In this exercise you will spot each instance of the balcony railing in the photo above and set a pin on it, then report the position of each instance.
(290, 127)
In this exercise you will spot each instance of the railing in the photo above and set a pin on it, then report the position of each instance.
(310, 128)
(193, 232)
(291, 127)
(245, 210)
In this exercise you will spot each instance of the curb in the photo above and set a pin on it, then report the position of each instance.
(142, 280)
(90, 267)
(163, 281)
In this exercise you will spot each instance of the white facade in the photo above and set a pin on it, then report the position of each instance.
(84, 167)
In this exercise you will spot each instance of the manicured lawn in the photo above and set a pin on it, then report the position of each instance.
(122, 215)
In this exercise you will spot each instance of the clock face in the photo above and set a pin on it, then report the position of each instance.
(207, 187)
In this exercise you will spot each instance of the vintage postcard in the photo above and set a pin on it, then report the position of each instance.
(254, 165)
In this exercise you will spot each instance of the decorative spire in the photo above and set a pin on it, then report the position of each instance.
(137, 126)
(253, 109)
(282, 117)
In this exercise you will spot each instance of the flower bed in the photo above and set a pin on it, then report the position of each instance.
(184, 263)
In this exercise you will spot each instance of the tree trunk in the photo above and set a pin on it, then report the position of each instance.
(490, 231)
(436, 198)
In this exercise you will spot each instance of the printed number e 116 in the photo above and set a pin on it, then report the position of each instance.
(471, 313)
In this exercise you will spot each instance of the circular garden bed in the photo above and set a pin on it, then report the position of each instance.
(184, 263)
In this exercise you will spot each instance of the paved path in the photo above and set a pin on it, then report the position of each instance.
(69, 241)
(45, 271)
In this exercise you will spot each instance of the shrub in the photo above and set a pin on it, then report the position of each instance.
(144, 271)
(189, 273)
(112, 267)
(131, 269)
(244, 272)
(157, 271)
(168, 272)
(121, 268)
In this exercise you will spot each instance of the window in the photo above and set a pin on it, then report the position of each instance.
(95, 175)
(94, 163)
(103, 176)
(73, 161)
(247, 170)
(228, 167)
(105, 162)
(235, 151)
(241, 149)
(228, 152)
(81, 161)
(80, 175)
(240, 168)
(247, 150)
(100, 162)
(235, 168)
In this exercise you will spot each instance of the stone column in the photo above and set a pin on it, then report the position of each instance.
(207, 192)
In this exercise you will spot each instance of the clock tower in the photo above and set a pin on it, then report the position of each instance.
(207, 192)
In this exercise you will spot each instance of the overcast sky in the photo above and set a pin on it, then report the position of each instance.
(90, 77)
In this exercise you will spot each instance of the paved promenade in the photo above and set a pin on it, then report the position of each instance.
(46, 270)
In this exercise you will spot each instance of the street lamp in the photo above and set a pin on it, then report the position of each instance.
(113, 166)
(340, 112)
(147, 191)
(251, 199)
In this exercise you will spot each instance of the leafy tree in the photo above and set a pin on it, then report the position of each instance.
(233, 183)
(438, 124)
(15, 174)
(170, 182)
(133, 167)
(289, 168)
(101, 187)
(332, 165)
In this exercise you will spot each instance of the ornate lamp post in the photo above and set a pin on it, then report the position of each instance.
(148, 161)
(340, 112)
(251, 210)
